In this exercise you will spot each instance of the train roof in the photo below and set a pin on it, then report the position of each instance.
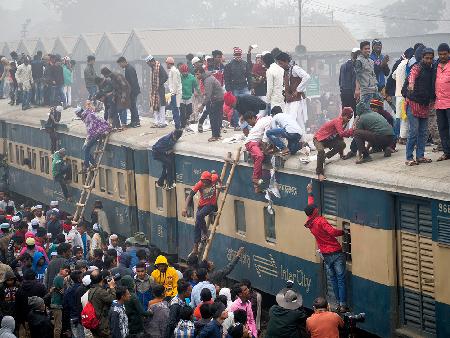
(388, 174)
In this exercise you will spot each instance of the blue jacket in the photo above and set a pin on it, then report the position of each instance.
(380, 72)
(39, 270)
(347, 78)
(164, 144)
(212, 330)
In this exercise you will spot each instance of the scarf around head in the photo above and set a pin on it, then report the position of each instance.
(154, 92)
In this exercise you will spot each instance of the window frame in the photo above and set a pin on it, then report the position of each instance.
(239, 206)
(266, 216)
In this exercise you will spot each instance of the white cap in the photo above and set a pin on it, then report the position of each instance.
(86, 280)
(59, 109)
(195, 60)
(259, 55)
(39, 206)
(54, 203)
(54, 253)
(78, 110)
(265, 52)
(55, 209)
(92, 268)
(354, 50)
(149, 58)
(15, 219)
(96, 227)
(34, 222)
(208, 57)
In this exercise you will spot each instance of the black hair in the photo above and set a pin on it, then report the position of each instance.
(201, 274)
(275, 52)
(141, 254)
(309, 209)
(76, 249)
(182, 286)
(25, 256)
(158, 290)
(216, 52)
(364, 44)
(141, 265)
(98, 253)
(199, 70)
(236, 290)
(246, 282)
(107, 262)
(443, 47)
(29, 275)
(417, 45)
(236, 331)
(187, 274)
(283, 57)
(121, 59)
(223, 299)
(91, 58)
(111, 253)
(60, 238)
(65, 266)
(105, 71)
(98, 80)
(76, 276)
(240, 316)
(189, 56)
(120, 292)
(268, 59)
(205, 295)
(192, 261)
(205, 311)
(63, 248)
(186, 312)
(249, 115)
(203, 264)
(320, 303)
(276, 110)
(216, 309)
(96, 278)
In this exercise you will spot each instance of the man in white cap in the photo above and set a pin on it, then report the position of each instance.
(39, 215)
(157, 91)
(53, 205)
(175, 90)
(347, 81)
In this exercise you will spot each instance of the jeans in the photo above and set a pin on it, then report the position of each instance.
(367, 97)
(175, 111)
(76, 328)
(443, 122)
(122, 116)
(293, 139)
(417, 137)
(235, 117)
(57, 96)
(88, 158)
(38, 97)
(26, 96)
(65, 174)
(2, 85)
(336, 268)
(168, 170)
(200, 222)
(133, 109)
(92, 90)
(68, 95)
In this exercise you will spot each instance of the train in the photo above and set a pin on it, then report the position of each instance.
(397, 217)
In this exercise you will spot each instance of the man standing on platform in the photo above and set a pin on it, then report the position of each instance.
(132, 79)
(157, 92)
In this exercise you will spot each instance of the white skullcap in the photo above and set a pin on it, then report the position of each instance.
(54, 203)
(355, 49)
(149, 58)
(39, 206)
(86, 280)
(195, 60)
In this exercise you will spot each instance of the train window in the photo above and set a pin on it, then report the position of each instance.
(121, 185)
(190, 209)
(33, 159)
(11, 152)
(22, 155)
(159, 197)
(29, 155)
(41, 161)
(109, 182)
(102, 179)
(17, 154)
(269, 225)
(47, 164)
(75, 171)
(83, 175)
(239, 217)
(347, 241)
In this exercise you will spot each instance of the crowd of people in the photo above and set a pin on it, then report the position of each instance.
(59, 278)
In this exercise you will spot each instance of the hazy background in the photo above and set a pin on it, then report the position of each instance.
(367, 19)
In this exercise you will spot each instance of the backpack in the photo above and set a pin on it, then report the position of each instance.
(88, 316)
(184, 329)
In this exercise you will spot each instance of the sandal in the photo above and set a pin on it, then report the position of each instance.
(424, 160)
(213, 139)
(444, 157)
(411, 163)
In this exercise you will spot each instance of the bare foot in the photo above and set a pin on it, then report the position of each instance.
(322, 178)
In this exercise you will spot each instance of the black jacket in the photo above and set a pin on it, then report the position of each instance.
(54, 75)
(70, 302)
(132, 79)
(284, 323)
(28, 288)
(37, 69)
(40, 324)
(237, 75)
(249, 103)
(423, 91)
(347, 78)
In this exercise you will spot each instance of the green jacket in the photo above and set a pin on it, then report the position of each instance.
(57, 164)
(57, 295)
(102, 299)
(375, 123)
(188, 84)
(133, 307)
(68, 77)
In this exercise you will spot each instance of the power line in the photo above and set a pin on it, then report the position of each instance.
(373, 15)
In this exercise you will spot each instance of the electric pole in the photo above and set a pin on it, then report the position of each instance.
(299, 22)
(24, 28)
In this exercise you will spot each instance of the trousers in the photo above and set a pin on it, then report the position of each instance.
(335, 267)
(200, 222)
(443, 122)
(336, 145)
(255, 151)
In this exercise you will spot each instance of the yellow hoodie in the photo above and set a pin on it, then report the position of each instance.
(168, 279)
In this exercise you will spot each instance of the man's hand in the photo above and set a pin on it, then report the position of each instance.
(410, 87)
(357, 95)
(184, 213)
(385, 60)
(309, 188)
(200, 109)
(112, 283)
(240, 251)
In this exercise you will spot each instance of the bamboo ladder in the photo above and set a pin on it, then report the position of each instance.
(234, 164)
(90, 179)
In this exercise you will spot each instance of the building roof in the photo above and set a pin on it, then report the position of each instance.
(45, 45)
(64, 45)
(317, 39)
(27, 46)
(85, 45)
(111, 45)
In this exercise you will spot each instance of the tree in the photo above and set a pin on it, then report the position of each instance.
(410, 9)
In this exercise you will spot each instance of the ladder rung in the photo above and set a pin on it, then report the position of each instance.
(80, 205)
(87, 187)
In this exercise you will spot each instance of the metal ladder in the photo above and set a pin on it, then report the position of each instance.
(205, 247)
(90, 178)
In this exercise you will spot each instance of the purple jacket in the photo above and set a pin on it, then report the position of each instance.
(95, 125)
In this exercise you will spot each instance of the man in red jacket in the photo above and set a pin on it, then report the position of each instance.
(329, 248)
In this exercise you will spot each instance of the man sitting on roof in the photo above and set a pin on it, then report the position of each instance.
(207, 204)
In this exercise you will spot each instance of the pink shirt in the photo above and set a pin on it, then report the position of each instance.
(247, 307)
(442, 86)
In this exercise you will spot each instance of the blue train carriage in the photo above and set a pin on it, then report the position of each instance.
(23, 139)
(399, 223)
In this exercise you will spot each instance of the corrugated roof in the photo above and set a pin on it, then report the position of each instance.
(64, 45)
(323, 38)
(398, 44)
(45, 45)
(111, 45)
(85, 45)
(27, 46)
(92, 40)
(13, 45)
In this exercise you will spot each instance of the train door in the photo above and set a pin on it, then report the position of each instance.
(416, 268)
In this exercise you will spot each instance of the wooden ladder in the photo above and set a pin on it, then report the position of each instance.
(90, 178)
(234, 162)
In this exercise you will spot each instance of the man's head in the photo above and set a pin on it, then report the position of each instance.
(141, 270)
(122, 62)
(29, 275)
(98, 254)
(170, 62)
(205, 295)
(283, 60)
(6, 197)
(186, 313)
(355, 53)
(443, 52)
(64, 271)
(114, 240)
(199, 73)
(217, 56)
(347, 114)
(237, 53)
(77, 252)
(26, 259)
(202, 274)
(90, 59)
(150, 61)
(189, 57)
(364, 47)
(30, 242)
(377, 46)
(82, 227)
(106, 72)
(320, 304)
(161, 263)
(14, 55)
(184, 289)
(184, 69)
(205, 311)
(122, 294)
(241, 291)
(268, 59)
(206, 178)
(219, 311)
(76, 276)
(64, 250)
(428, 56)
(250, 118)
(158, 291)
(309, 209)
